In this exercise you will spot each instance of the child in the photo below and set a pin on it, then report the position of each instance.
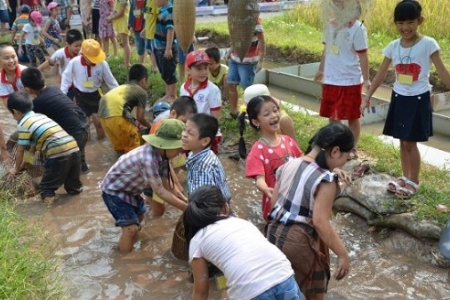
(410, 114)
(182, 109)
(165, 49)
(151, 15)
(254, 268)
(160, 110)
(135, 170)
(344, 68)
(272, 149)
(4, 15)
(62, 155)
(50, 101)
(86, 17)
(286, 123)
(243, 73)
(203, 166)
(16, 30)
(105, 28)
(52, 30)
(204, 92)
(10, 71)
(136, 22)
(87, 72)
(33, 39)
(75, 17)
(116, 109)
(119, 18)
(62, 56)
(217, 72)
(95, 20)
(303, 198)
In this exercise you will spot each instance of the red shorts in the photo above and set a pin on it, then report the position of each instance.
(341, 102)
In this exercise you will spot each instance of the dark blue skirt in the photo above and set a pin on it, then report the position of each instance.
(409, 118)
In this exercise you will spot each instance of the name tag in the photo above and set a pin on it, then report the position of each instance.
(334, 49)
(28, 157)
(405, 79)
(221, 282)
(136, 12)
(36, 41)
(88, 84)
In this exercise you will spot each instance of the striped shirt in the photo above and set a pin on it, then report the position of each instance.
(132, 173)
(18, 24)
(298, 182)
(205, 168)
(45, 135)
(164, 22)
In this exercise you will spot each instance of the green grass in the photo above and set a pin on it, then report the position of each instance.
(27, 266)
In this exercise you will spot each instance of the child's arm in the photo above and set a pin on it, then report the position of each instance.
(19, 160)
(49, 62)
(440, 68)
(108, 77)
(377, 80)
(4, 154)
(364, 64)
(169, 42)
(167, 196)
(287, 127)
(13, 32)
(66, 78)
(120, 13)
(319, 74)
(201, 278)
(20, 50)
(261, 184)
(140, 116)
(262, 49)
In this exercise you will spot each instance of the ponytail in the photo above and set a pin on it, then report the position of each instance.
(241, 123)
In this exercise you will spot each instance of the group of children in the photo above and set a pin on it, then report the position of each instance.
(298, 190)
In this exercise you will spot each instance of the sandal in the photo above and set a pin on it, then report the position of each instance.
(396, 184)
(361, 169)
(405, 193)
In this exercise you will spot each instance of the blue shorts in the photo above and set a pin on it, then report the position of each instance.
(241, 74)
(140, 43)
(125, 214)
(287, 289)
(4, 16)
(167, 67)
(149, 46)
(182, 55)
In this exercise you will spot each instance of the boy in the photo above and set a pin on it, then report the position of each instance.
(87, 72)
(205, 93)
(50, 101)
(61, 153)
(136, 170)
(116, 107)
(151, 14)
(181, 110)
(16, 30)
(165, 49)
(33, 39)
(10, 73)
(217, 72)
(63, 56)
(203, 166)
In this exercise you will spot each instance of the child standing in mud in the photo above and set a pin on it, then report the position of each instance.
(409, 118)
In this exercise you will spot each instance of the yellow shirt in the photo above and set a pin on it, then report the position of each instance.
(219, 78)
(151, 14)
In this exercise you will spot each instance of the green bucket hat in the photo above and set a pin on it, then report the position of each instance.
(167, 136)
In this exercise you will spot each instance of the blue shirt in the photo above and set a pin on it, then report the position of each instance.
(164, 22)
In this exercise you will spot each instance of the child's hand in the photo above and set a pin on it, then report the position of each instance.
(269, 192)
(318, 76)
(342, 175)
(168, 54)
(142, 33)
(258, 66)
(20, 51)
(365, 104)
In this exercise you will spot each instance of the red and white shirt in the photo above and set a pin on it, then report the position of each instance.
(7, 87)
(61, 57)
(207, 96)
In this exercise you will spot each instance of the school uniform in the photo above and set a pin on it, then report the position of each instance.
(7, 87)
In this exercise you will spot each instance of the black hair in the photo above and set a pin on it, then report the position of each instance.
(20, 101)
(73, 35)
(3, 45)
(203, 209)
(32, 78)
(183, 105)
(407, 10)
(213, 54)
(207, 125)
(253, 110)
(137, 72)
(328, 137)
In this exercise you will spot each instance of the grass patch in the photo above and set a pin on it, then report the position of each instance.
(27, 266)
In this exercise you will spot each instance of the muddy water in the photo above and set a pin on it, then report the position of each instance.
(384, 263)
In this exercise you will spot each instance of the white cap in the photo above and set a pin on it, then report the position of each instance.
(255, 90)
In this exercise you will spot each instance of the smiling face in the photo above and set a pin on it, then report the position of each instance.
(190, 138)
(199, 72)
(8, 59)
(408, 29)
(268, 119)
(74, 48)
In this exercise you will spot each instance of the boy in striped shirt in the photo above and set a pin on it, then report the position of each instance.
(60, 150)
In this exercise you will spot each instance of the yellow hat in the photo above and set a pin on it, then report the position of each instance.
(93, 51)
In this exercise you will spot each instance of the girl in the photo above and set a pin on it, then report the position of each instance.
(271, 151)
(32, 34)
(254, 268)
(86, 17)
(51, 30)
(105, 28)
(119, 18)
(75, 17)
(303, 198)
(409, 117)
(136, 23)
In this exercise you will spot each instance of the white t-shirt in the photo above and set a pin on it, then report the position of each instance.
(251, 264)
(415, 61)
(61, 57)
(341, 58)
(163, 115)
(31, 34)
(86, 78)
(206, 99)
(6, 87)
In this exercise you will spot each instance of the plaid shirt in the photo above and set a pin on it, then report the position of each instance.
(132, 173)
(205, 168)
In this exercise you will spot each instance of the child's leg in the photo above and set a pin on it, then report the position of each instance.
(72, 182)
(40, 54)
(31, 54)
(355, 127)
(126, 49)
(150, 52)
(98, 127)
(114, 42)
(410, 158)
(126, 241)
(105, 44)
(171, 92)
(55, 172)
